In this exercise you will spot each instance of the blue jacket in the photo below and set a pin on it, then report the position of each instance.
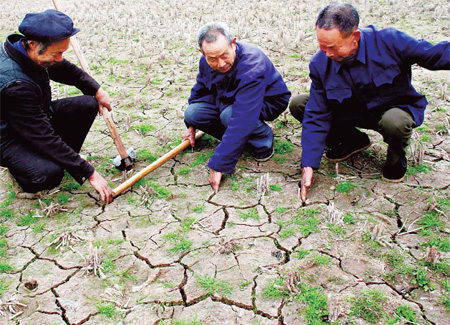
(255, 89)
(378, 79)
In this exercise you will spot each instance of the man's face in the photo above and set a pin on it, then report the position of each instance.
(52, 54)
(336, 47)
(220, 55)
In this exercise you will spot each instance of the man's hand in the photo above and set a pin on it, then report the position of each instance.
(307, 176)
(214, 180)
(103, 100)
(189, 135)
(102, 187)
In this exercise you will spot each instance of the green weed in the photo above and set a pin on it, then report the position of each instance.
(213, 285)
(251, 213)
(406, 313)
(108, 310)
(5, 267)
(4, 285)
(274, 293)
(345, 187)
(201, 160)
(316, 306)
(282, 147)
(369, 305)
(146, 154)
(183, 170)
(199, 208)
(144, 128)
(275, 188)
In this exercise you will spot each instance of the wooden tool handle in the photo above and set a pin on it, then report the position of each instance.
(157, 163)
(105, 113)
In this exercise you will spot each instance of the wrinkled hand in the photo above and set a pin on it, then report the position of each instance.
(102, 187)
(103, 100)
(214, 180)
(307, 176)
(189, 135)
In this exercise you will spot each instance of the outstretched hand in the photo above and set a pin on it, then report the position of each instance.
(214, 180)
(189, 135)
(307, 176)
(102, 187)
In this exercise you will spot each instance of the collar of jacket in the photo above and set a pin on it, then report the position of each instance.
(29, 67)
(360, 55)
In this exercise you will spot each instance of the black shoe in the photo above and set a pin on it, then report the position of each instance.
(264, 157)
(395, 173)
(344, 150)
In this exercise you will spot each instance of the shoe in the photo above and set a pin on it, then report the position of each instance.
(343, 150)
(20, 193)
(266, 157)
(395, 173)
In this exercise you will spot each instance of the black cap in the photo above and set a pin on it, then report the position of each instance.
(48, 26)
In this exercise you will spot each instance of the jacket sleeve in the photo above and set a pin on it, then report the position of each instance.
(32, 126)
(200, 92)
(422, 52)
(244, 118)
(68, 73)
(316, 123)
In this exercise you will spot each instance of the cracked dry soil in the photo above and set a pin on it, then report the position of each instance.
(169, 251)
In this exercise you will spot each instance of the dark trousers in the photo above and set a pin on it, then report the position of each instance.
(395, 125)
(71, 119)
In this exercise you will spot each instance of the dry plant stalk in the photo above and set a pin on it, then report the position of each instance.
(334, 308)
(335, 216)
(11, 306)
(94, 261)
(432, 255)
(262, 185)
(291, 283)
(67, 239)
(49, 210)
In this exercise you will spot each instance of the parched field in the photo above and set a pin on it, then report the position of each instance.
(170, 251)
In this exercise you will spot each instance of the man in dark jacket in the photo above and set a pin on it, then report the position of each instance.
(361, 77)
(237, 89)
(41, 138)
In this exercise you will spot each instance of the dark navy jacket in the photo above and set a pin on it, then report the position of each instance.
(25, 105)
(255, 89)
(378, 79)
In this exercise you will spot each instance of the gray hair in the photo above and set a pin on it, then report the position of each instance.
(338, 14)
(42, 46)
(211, 31)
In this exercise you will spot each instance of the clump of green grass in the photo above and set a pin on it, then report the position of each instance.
(345, 187)
(201, 159)
(369, 305)
(305, 222)
(179, 243)
(275, 188)
(199, 208)
(144, 128)
(107, 309)
(184, 170)
(406, 313)
(5, 267)
(213, 285)
(282, 147)
(273, 290)
(251, 213)
(146, 154)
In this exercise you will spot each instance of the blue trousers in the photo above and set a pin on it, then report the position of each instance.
(208, 118)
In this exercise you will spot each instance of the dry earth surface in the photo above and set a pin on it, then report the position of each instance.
(169, 251)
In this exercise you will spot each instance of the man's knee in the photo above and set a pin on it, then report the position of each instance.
(225, 116)
(397, 122)
(297, 106)
(191, 115)
(43, 179)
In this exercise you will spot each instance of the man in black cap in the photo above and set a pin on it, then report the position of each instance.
(40, 138)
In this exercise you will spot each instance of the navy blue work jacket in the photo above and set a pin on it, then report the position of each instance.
(255, 89)
(378, 79)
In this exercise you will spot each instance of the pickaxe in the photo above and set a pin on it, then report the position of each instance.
(126, 161)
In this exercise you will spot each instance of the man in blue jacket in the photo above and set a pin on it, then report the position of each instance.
(361, 77)
(40, 138)
(237, 89)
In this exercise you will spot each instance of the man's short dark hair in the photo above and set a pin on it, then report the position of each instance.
(211, 31)
(341, 15)
(42, 46)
